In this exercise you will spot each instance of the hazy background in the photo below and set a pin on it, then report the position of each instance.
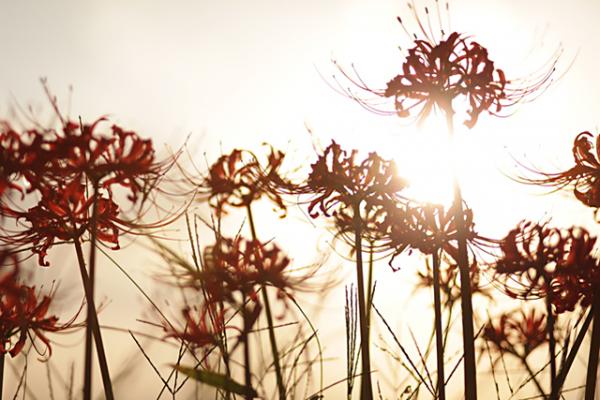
(237, 73)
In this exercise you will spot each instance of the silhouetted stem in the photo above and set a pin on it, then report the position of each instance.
(470, 371)
(592, 367)
(2, 356)
(247, 373)
(108, 392)
(562, 376)
(366, 385)
(272, 339)
(439, 334)
(369, 292)
(554, 391)
(533, 377)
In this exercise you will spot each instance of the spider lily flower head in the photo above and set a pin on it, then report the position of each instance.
(23, 313)
(576, 278)
(65, 215)
(237, 179)
(241, 266)
(338, 181)
(518, 333)
(57, 167)
(583, 176)
(427, 228)
(450, 281)
(439, 71)
(201, 331)
(77, 152)
(539, 261)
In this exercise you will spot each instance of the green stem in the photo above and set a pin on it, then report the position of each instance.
(366, 385)
(272, 338)
(439, 334)
(470, 372)
(592, 367)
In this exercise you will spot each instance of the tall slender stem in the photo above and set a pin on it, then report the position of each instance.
(592, 367)
(533, 377)
(366, 385)
(271, 326)
(247, 373)
(2, 356)
(565, 368)
(551, 349)
(465, 285)
(87, 366)
(108, 392)
(439, 335)
(370, 291)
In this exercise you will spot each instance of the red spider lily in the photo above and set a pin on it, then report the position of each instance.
(205, 331)
(450, 281)
(46, 157)
(529, 254)
(518, 333)
(238, 178)
(22, 313)
(57, 166)
(426, 228)
(65, 215)
(242, 266)
(338, 181)
(544, 261)
(435, 73)
(583, 176)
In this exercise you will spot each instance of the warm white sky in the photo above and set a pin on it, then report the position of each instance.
(242, 72)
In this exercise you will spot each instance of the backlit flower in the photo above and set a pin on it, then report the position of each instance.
(238, 178)
(539, 261)
(337, 180)
(438, 72)
(583, 176)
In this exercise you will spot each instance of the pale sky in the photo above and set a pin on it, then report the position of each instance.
(238, 73)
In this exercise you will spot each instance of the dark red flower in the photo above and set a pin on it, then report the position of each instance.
(337, 180)
(426, 228)
(450, 281)
(65, 215)
(238, 178)
(583, 177)
(539, 261)
(22, 312)
(436, 72)
(203, 331)
(243, 266)
(517, 332)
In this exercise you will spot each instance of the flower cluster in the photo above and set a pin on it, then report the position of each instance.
(71, 174)
(540, 261)
(517, 333)
(338, 181)
(434, 74)
(202, 331)
(22, 312)
(238, 178)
